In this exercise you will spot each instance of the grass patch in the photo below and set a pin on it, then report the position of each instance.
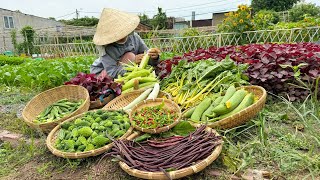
(282, 140)
(12, 158)
(16, 95)
(10, 122)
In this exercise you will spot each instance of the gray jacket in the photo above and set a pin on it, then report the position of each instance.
(110, 60)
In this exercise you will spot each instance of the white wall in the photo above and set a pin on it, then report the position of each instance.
(20, 20)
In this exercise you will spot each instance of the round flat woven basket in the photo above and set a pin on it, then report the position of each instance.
(51, 140)
(155, 102)
(197, 167)
(38, 104)
(98, 104)
(125, 99)
(246, 114)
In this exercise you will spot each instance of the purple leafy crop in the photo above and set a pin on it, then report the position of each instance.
(266, 64)
(96, 86)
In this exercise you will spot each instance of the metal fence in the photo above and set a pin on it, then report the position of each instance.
(186, 44)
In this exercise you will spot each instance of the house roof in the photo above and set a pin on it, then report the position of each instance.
(17, 11)
(143, 27)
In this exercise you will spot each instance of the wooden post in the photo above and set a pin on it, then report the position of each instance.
(4, 43)
(291, 34)
(27, 43)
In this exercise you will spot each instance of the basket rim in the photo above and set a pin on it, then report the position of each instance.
(87, 99)
(260, 100)
(116, 99)
(84, 154)
(217, 150)
(160, 129)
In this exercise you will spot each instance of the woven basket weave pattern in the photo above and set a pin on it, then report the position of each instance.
(51, 139)
(199, 166)
(125, 99)
(246, 114)
(155, 102)
(38, 104)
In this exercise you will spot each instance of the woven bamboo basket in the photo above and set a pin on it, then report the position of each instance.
(38, 104)
(155, 102)
(51, 139)
(98, 104)
(197, 167)
(246, 114)
(125, 99)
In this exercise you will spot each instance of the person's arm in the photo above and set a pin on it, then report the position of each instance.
(112, 68)
(154, 60)
(96, 67)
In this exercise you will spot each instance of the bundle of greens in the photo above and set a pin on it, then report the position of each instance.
(139, 76)
(189, 83)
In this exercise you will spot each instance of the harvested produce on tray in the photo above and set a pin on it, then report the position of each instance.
(147, 94)
(210, 110)
(190, 83)
(58, 110)
(265, 64)
(166, 154)
(154, 117)
(137, 76)
(98, 87)
(92, 130)
(183, 128)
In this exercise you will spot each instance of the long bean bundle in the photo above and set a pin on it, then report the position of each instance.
(166, 154)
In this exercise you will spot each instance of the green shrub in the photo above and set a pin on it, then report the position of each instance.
(44, 74)
(264, 19)
(306, 22)
(238, 21)
(298, 12)
(11, 60)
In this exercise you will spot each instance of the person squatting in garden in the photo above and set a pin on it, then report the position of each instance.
(117, 43)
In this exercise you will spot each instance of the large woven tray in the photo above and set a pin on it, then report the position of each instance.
(38, 104)
(125, 99)
(155, 102)
(199, 166)
(51, 140)
(244, 115)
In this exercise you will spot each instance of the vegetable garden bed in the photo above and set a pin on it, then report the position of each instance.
(209, 79)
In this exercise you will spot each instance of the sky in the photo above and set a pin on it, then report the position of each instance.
(65, 9)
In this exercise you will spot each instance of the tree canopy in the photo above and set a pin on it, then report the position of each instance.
(159, 20)
(84, 21)
(298, 11)
(275, 5)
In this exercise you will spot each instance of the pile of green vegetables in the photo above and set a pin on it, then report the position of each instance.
(183, 128)
(137, 76)
(44, 74)
(190, 82)
(58, 110)
(154, 117)
(211, 110)
(92, 130)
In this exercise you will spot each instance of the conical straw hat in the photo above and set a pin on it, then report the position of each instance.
(114, 25)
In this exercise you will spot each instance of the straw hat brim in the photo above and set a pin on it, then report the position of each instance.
(114, 25)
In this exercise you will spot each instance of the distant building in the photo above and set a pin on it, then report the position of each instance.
(11, 20)
(217, 18)
(194, 23)
(143, 27)
(181, 23)
(201, 23)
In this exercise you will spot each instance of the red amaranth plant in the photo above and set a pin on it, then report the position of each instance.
(266, 62)
(97, 87)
